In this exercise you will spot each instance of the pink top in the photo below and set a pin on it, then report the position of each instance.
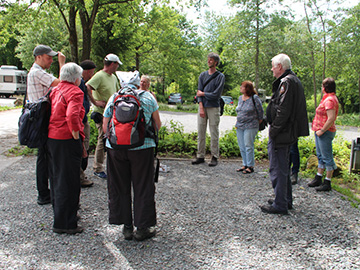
(328, 102)
(67, 111)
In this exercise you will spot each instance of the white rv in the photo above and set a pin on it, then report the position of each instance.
(12, 81)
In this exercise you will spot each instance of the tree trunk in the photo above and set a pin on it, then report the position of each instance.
(73, 40)
(257, 45)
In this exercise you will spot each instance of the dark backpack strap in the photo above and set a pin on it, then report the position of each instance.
(213, 76)
(257, 113)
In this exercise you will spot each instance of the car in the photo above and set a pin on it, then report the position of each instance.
(228, 100)
(175, 98)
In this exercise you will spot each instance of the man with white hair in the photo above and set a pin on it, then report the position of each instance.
(39, 82)
(287, 116)
(100, 88)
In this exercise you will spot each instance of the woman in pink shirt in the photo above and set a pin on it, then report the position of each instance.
(324, 127)
(66, 148)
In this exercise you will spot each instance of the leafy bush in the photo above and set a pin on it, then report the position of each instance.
(230, 110)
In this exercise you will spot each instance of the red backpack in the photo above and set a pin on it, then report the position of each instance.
(127, 126)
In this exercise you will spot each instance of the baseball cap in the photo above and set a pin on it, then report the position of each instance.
(112, 58)
(43, 49)
(87, 64)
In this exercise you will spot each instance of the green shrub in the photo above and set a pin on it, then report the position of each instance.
(229, 110)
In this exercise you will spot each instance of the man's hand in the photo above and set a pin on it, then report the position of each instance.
(202, 113)
(200, 93)
(100, 103)
(61, 59)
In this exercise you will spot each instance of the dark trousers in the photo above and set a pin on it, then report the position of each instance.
(65, 159)
(294, 158)
(136, 168)
(280, 175)
(42, 172)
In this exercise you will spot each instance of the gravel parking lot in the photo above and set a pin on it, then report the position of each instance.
(208, 218)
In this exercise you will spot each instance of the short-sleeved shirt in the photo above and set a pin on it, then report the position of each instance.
(328, 102)
(38, 82)
(104, 86)
(149, 105)
(247, 114)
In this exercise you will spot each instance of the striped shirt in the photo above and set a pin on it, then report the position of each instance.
(38, 82)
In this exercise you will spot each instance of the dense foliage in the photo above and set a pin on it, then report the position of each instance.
(156, 38)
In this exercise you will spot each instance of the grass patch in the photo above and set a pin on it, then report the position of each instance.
(20, 150)
(6, 108)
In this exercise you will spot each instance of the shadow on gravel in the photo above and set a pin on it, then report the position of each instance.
(208, 218)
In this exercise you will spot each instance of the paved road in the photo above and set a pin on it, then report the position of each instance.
(9, 120)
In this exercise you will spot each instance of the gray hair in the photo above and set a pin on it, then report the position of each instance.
(214, 56)
(70, 72)
(282, 59)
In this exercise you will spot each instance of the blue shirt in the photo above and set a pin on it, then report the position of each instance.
(149, 105)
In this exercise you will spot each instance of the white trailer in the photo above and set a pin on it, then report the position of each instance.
(12, 81)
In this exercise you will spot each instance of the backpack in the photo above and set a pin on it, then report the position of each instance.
(127, 126)
(222, 104)
(34, 122)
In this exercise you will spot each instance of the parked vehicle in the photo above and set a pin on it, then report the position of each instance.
(175, 98)
(228, 100)
(12, 81)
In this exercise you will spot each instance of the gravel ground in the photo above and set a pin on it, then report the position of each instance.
(208, 218)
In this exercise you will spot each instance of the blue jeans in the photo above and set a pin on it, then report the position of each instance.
(324, 151)
(246, 138)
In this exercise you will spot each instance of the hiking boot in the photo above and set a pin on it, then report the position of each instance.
(198, 161)
(78, 229)
(326, 186)
(269, 209)
(86, 183)
(316, 182)
(43, 200)
(101, 175)
(294, 178)
(213, 162)
(144, 233)
(271, 201)
(128, 231)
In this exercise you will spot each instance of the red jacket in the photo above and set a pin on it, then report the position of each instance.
(67, 111)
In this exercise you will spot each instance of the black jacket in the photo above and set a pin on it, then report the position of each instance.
(286, 112)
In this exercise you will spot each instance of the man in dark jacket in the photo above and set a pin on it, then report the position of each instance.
(288, 120)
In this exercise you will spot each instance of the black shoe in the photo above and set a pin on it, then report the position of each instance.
(326, 186)
(213, 162)
(44, 200)
(294, 178)
(78, 229)
(142, 234)
(271, 210)
(198, 161)
(271, 201)
(316, 182)
(128, 231)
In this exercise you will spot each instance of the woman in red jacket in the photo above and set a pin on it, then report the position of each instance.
(66, 149)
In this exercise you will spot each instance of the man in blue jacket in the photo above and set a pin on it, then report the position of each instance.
(287, 116)
(210, 87)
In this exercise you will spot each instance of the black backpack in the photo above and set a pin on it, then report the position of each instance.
(34, 122)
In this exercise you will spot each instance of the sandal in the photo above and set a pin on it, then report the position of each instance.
(248, 170)
(241, 169)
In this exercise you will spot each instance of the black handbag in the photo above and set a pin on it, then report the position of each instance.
(263, 124)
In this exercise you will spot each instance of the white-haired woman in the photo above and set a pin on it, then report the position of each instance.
(66, 148)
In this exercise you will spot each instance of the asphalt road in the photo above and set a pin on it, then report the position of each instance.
(9, 122)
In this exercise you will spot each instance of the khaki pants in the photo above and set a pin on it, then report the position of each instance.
(86, 144)
(100, 150)
(213, 115)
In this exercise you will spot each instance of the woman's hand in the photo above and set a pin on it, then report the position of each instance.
(75, 134)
